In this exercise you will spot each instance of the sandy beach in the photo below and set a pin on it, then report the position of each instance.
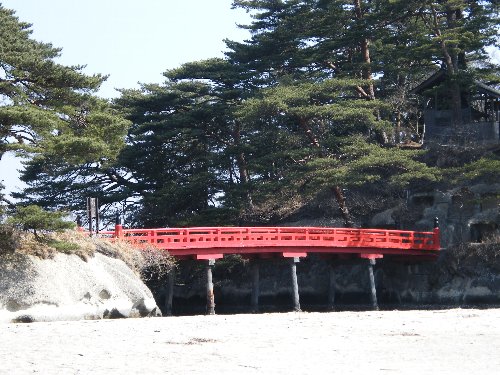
(459, 341)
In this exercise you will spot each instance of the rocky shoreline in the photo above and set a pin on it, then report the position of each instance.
(457, 279)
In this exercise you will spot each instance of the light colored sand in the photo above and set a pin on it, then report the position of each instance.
(395, 342)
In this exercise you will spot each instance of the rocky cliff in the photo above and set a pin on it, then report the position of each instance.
(69, 288)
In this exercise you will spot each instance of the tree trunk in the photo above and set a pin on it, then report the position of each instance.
(344, 211)
(397, 137)
(337, 190)
(242, 166)
(366, 71)
(309, 133)
(244, 177)
(399, 105)
(452, 67)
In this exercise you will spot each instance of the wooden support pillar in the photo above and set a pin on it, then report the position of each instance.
(373, 289)
(210, 288)
(255, 265)
(170, 292)
(295, 284)
(331, 289)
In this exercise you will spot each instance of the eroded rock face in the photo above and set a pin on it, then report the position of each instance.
(67, 288)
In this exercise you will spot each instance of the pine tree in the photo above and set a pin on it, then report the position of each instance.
(448, 34)
(313, 104)
(170, 151)
(325, 140)
(50, 115)
(37, 93)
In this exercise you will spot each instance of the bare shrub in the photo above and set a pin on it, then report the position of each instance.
(157, 263)
(149, 262)
(486, 252)
(9, 239)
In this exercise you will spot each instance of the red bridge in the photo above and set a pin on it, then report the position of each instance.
(290, 242)
(337, 244)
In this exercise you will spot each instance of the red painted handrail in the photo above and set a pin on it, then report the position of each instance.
(206, 240)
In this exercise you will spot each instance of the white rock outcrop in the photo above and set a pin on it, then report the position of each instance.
(68, 288)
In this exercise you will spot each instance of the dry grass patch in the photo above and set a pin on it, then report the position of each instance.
(149, 262)
(46, 247)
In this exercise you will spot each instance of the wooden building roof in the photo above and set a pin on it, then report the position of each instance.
(439, 76)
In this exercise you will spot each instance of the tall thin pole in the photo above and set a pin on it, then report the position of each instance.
(295, 284)
(255, 285)
(331, 288)
(170, 292)
(373, 289)
(210, 288)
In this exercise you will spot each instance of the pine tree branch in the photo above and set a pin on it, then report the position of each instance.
(362, 92)
(10, 204)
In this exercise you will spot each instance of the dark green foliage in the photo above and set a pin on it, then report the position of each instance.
(63, 246)
(35, 219)
(49, 114)
(470, 167)
(169, 151)
(186, 148)
(67, 167)
(37, 93)
(482, 170)
(317, 103)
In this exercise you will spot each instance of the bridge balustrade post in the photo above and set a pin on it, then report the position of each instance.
(170, 292)
(210, 288)
(295, 284)
(255, 265)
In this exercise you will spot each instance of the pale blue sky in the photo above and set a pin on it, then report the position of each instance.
(132, 41)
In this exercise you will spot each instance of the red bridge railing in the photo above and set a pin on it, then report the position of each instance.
(205, 242)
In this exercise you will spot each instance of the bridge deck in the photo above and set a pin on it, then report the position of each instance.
(214, 242)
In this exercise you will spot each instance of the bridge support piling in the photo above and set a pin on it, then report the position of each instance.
(331, 288)
(295, 284)
(210, 288)
(373, 289)
(170, 292)
(255, 266)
